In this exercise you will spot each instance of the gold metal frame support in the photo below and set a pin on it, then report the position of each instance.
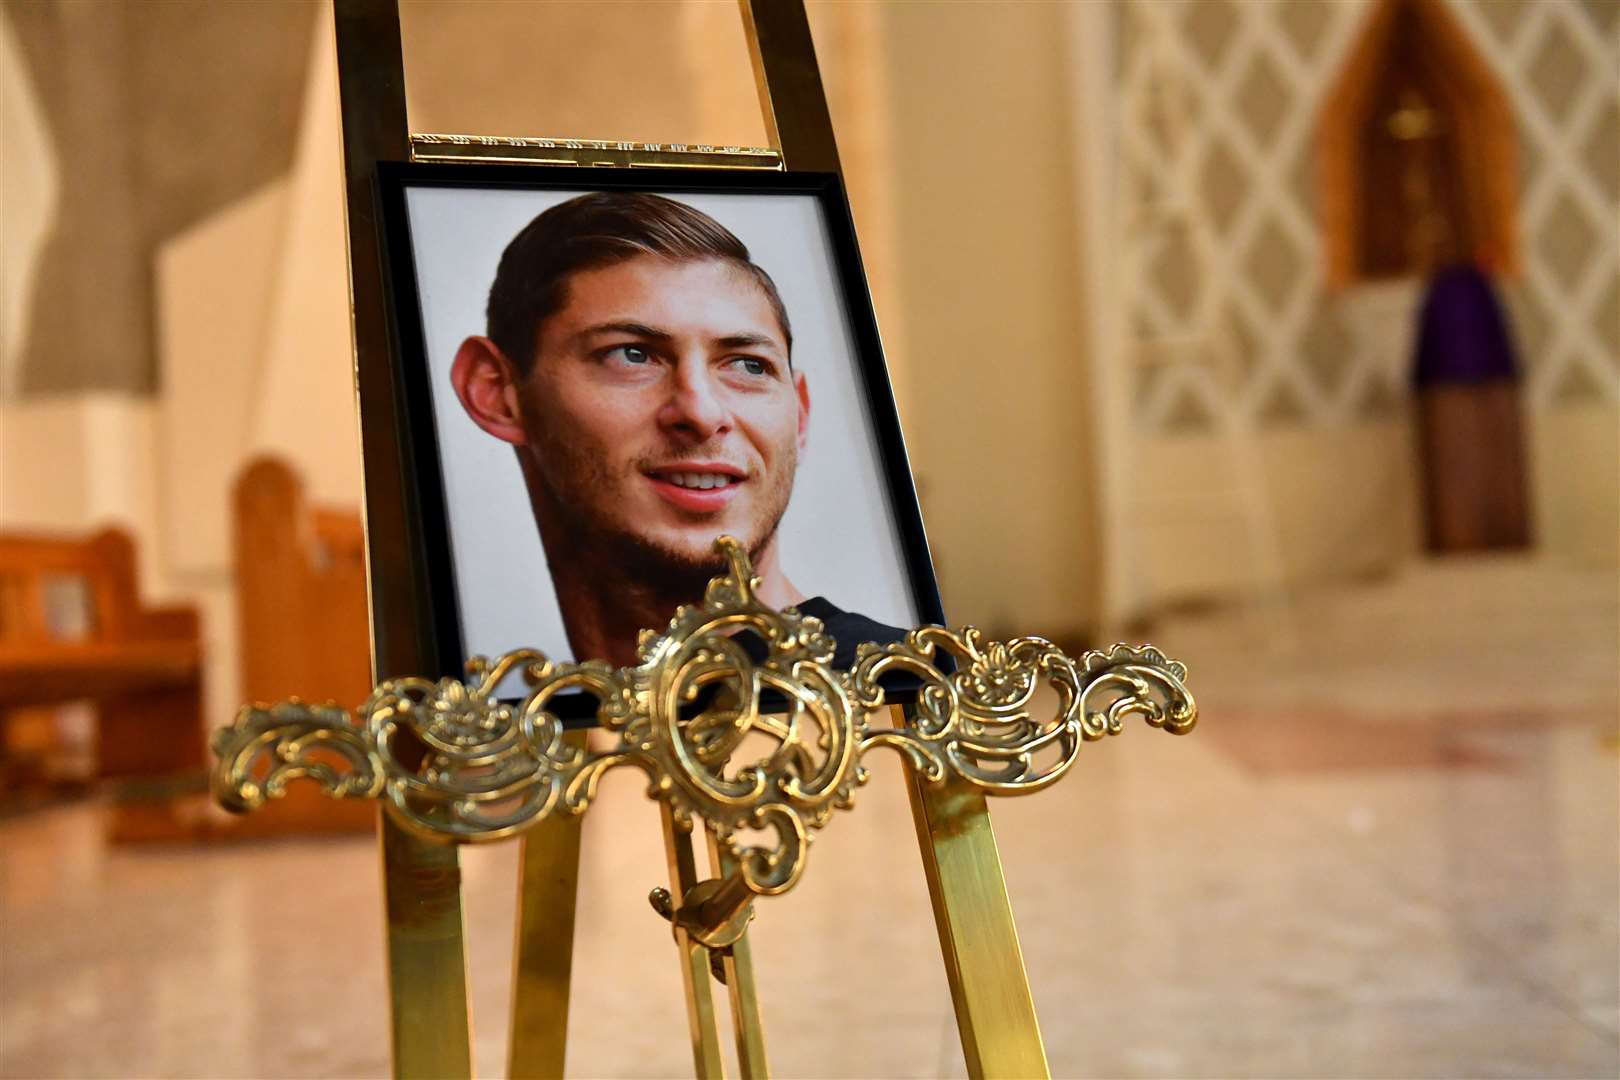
(422, 878)
(427, 962)
(371, 91)
(995, 1013)
(543, 954)
(791, 98)
(706, 1060)
(738, 964)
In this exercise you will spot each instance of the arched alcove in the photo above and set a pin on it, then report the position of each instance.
(1416, 152)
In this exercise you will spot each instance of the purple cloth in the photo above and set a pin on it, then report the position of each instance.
(1462, 331)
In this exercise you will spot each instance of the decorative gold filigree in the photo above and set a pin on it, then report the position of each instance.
(735, 714)
(267, 748)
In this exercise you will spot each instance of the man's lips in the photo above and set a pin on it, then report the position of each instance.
(700, 487)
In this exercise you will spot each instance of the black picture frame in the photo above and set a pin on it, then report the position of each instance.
(418, 432)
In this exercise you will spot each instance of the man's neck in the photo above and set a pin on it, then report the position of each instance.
(604, 608)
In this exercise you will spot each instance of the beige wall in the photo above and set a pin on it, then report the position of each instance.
(994, 385)
(78, 462)
(637, 69)
(256, 359)
(1332, 504)
(1575, 481)
(213, 317)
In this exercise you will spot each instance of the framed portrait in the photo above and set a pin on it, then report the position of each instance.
(602, 370)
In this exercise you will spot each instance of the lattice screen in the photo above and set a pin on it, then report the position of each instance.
(1561, 62)
(1223, 281)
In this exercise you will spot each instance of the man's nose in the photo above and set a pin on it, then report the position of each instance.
(696, 407)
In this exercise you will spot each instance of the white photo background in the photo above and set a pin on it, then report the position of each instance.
(838, 538)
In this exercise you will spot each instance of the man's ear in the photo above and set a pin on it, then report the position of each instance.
(802, 386)
(486, 383)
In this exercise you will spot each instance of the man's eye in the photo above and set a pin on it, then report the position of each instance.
(631, 354)
(751, 365)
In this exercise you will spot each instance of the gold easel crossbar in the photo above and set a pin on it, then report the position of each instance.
(511, 150)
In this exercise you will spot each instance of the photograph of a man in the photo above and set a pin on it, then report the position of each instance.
(642, 366)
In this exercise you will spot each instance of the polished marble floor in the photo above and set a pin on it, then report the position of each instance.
(1391, 849)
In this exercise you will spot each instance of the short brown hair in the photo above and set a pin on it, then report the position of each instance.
(592, 231)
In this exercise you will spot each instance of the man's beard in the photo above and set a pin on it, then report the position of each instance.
(676, 574)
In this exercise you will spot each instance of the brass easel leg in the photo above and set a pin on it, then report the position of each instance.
(791, 99)
(1000, 1034)
(706, 1060)
(548, 882)
(739, 968)
(427, 960)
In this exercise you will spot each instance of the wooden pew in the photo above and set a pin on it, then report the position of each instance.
(304, 629)
(73, 628)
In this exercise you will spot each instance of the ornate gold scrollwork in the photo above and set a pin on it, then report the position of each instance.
(735, 714)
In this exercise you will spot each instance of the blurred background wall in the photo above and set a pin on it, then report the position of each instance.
(1094, 236)
(1273, 411)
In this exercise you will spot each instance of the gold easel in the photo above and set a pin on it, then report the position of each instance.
(426, 954)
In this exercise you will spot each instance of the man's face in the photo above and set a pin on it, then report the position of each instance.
(661, 409)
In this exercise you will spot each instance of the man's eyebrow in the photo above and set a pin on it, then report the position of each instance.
(747, 340)
(635, 329)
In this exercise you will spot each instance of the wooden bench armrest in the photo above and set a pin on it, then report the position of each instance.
(44, 675)
(176, 621)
